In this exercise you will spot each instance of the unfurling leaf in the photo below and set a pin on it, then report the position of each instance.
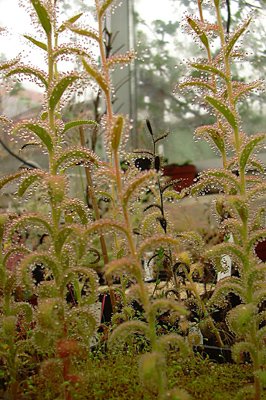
(125, 264)
(37, 43)
(116, 132)
(241, 318)
(166, 305)
(43, 15)
(60, 88)
(123, 331)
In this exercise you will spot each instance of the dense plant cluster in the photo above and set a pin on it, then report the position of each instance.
(49, 290)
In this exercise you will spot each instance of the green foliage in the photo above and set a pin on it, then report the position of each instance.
(55, 316)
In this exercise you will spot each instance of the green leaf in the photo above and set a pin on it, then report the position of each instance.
(59, 90)
(73, 124)
(69, 21)
(158, 241)
(209, 68)
(140, 180)
(124, 264)
(215, 134)
(30, 220)
(106, 224)
(249, 148)
(39, 131)
(8, 64)
(28, 181)
(235, 37)
(198, 83)
(69, 50)
(39, 44)
(38, 257)
(76, 156)
(7, 179)
(104, 7)
(96, 75)
(42, 15)
(29, 71)
(224, 110)
(83, 32)
(123, 331)
(77, 206)
(226, 286)
(197, 29)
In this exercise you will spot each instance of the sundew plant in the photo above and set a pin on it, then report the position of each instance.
(48, 294)
(241, 183)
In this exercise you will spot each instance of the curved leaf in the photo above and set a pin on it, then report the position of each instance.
(95, 74)
(8, 64)
(42, 15)
(23, 69)
(84, 32)
(174, 340)
(37, 43)
(30, 219)
(104, 7)
(198, 30)
(249, 148)
(139, 180)
(198, 83)
(60, 88)
(226, 286)
(224, 110)
(235, 37)
(7, 179)
(166, 305)
(69, 21)
(38, 257)
(215, 134)
(29, 180)
(209, 68)
(78, 207)
(39, 131)
(73, 124)
(127, 329)
(76, 156)
(106, 224)
(125, 264)
(158, 241)
(69, 50)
